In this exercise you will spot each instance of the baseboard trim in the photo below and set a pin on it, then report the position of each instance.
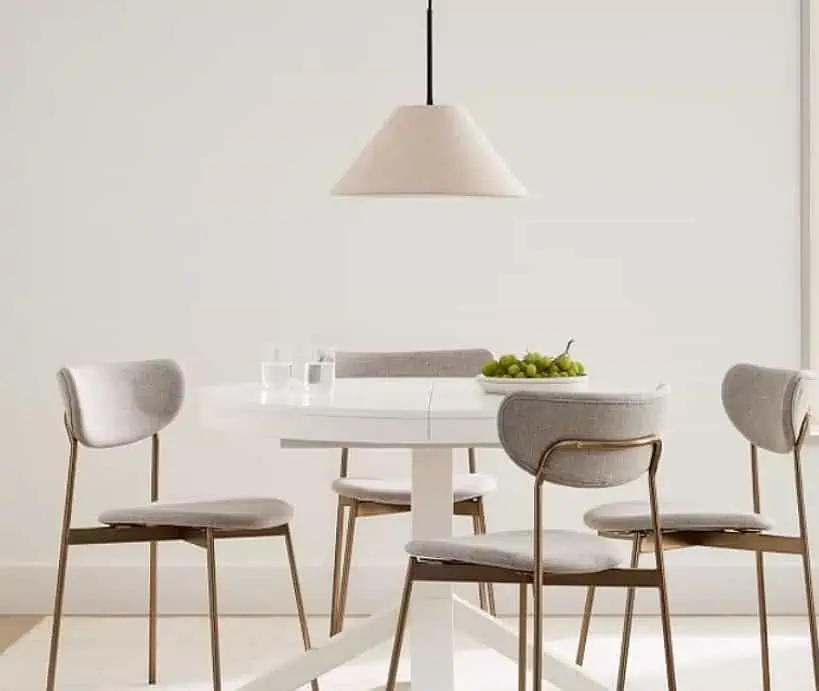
(108, 589)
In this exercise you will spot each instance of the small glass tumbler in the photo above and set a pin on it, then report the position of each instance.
(278, 370)
(320, 370)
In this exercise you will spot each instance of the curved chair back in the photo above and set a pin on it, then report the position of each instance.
(531, 423)
(465, 362)
(114, 404)
(767, 406)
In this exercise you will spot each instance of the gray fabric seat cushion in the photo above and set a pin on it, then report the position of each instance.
(399, 490)
(636, 517)
(251, 513)
(564, 551)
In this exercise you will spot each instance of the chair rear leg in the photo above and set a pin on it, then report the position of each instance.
(213, 611)
(62, 564)
(628, 619)
(806, 562)
(400, 629)
(522, 614)
(58, 616)
(294, 577)
(337, 566)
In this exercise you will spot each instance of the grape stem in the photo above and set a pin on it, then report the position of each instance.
(568, 347)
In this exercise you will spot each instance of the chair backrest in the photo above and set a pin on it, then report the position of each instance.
(420, 363)
(114, 404)
(530, 423)
(767, 405)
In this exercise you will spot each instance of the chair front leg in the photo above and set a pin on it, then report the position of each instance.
(352, 516)
(585, 626)
(294, 577)
(477, 529)
(213, 611)
(400, 628)
(337, 568)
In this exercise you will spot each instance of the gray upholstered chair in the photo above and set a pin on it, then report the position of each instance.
(372, 496)
(586, 440)
(770, 409)
(117, 404)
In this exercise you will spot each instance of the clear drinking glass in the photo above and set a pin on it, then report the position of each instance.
(320, 369)
(278, 369)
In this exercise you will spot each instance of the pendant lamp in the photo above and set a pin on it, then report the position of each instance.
(429, 150)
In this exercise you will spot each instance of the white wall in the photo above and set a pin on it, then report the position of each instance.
(164, 176)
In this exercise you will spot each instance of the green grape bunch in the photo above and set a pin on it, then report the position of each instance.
(535, 366)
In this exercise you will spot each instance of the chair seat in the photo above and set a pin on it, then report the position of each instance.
(250, 513)
(399, 490)
(628, 517)
(564, 551)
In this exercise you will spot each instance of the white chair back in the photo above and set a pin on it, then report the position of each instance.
(114, 404)
(530, 423)
(767, 405)
(465, 362)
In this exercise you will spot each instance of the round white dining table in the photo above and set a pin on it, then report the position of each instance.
(431, 417)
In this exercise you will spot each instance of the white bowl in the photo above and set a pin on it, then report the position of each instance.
(507, 385)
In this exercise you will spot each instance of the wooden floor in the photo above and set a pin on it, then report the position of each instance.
(13, 628)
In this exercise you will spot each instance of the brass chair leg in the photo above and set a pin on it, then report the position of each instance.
(213, 612)
(537, 631)
(806, 562)
(58, 616)
(628, 619)
(62, 564)
(585, 626)
(152, 568)
(659, 558)
(667, 639)
(346, 567)
(482, 596)
(294, 577)
(522, 637)
(490, 587)
(814, 637)
(152, 611)
(400, 628)
(763, 621)
(337, 551)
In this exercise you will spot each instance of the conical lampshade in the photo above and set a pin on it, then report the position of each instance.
(429, 150)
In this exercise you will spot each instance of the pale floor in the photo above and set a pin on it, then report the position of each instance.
(13, 628)
(102, 653)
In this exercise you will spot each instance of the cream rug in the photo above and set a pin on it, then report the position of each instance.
(108, 654)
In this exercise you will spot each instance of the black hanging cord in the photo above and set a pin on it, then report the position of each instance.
(429, 53)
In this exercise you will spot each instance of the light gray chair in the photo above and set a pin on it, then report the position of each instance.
(587, 440)
(118, 404)
(770, 408)
(364, 497)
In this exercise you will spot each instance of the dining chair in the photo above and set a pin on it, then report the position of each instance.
(367, 497)
(770, 409)
(583, 440)
(118, 404)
